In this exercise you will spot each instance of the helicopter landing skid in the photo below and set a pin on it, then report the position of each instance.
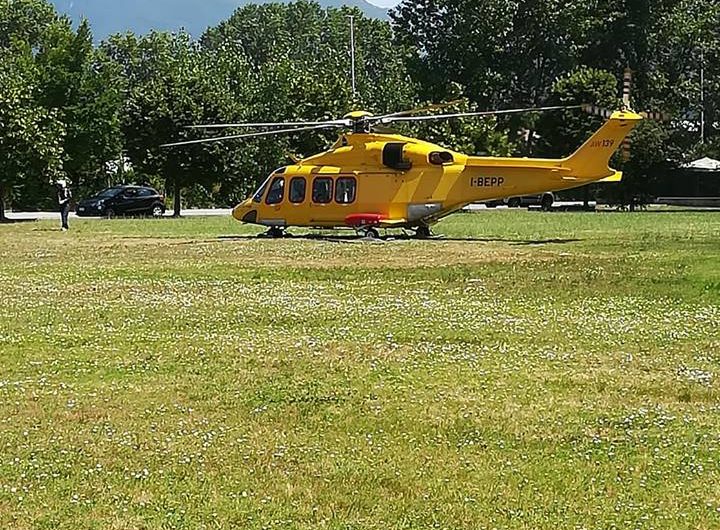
(423, 232)
(274, 232)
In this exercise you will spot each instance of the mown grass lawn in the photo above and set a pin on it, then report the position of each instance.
(534, 371)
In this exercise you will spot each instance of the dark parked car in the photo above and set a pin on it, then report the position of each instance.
(123, 200)
(545, 200)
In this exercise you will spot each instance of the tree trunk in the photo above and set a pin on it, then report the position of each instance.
(176, 198)
(3, 219)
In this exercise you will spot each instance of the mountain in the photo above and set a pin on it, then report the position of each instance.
(140, 16)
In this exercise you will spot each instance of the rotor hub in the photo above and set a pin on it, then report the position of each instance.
(359, 121)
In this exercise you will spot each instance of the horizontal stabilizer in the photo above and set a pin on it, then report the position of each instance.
(617, 177)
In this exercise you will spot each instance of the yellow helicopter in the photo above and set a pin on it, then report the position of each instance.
(370, 180)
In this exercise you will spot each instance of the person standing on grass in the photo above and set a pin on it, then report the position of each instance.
(64, 196)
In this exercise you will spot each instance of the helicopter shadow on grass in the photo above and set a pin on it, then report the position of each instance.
(45, 229)
(512, 242)
(8, 221)
(326, 238)
(518, 242)
(353, 239)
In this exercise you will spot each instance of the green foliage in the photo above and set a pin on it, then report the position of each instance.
(686, 41)
(70, 97)
(25, 21)
(85, 87)
(30, 134)
(170, 86)
(281, 62)
(564, 131)
(505, 53)
(651, 158)
(474, 136)
(301, 73)
(237, 74)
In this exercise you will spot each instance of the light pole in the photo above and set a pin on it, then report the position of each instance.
(352, 54)
(702, 95)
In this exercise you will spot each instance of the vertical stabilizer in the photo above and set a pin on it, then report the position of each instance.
(591, 160)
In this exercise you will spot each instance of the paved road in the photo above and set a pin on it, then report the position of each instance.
(31, 216)
(219, 212)
(216, 212)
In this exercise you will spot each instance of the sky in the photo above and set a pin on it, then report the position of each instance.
(384, 3)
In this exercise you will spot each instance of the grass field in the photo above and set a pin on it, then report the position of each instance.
(532, 371)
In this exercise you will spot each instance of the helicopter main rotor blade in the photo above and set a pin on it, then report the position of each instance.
(483, 113)
(249, 135)
(418, 110)
(267, 125)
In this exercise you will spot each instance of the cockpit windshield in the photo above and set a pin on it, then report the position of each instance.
(261, 190)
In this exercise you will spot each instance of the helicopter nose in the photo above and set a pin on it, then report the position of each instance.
(243, 211)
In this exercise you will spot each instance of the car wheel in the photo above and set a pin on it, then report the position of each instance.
(158, 210)
(547, 202)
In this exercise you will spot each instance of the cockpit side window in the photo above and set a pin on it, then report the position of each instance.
(261, 191)
(277, 191)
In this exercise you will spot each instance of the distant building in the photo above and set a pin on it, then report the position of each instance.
(694, 184)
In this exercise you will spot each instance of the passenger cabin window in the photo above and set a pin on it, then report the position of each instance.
(393, 156)
(261, 191)
(322, 190)
(297, 190)
(345, 189)
(277, 191)
(440, 158)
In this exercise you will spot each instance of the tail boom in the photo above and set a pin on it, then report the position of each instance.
(490, 178)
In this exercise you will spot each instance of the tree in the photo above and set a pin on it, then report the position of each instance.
(653, 155)
(24, 21)
(23, 24)
(170, 87)
(86, 88)
(30, 133)
(238, 74)
(303, 72)
(505, 53)
(686, 42)
(472, 136)
(66, 87)
(564, 131)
